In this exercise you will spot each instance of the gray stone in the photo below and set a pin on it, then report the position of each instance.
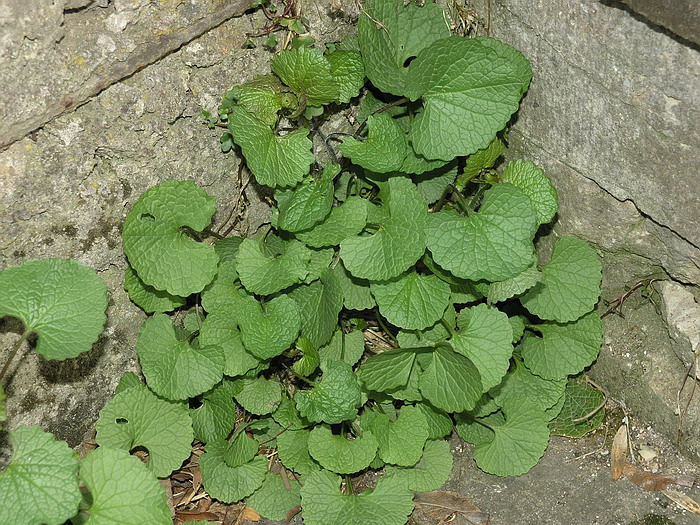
(614, 101)
(682, 314)
(66, 188)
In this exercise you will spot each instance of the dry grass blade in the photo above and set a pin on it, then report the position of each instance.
(447, 507)
(683, 500)
(618, 452)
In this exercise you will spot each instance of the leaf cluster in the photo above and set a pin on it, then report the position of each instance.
(416, 234)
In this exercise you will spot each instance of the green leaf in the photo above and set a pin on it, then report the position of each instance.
(293, 451)
(148, 298)
(563, 349)
(348, 71)
(503, 290)
(319, 305)
(264, 275)
(518, 323)
(215, 418)
(309, 202)
(265, 430)
(259, 396)
(3, 407)
(388, 370)
(476, 428)
(571, 284)
(432, 185)
(439, 423)
(137, 418)
(520, 382)
(62, 301)
(536, 185)
(308, 73)
(174, 369)
(344, 221)
(343, 347)
(162, 255)
(122, 489)
(223, 289)
(310, 359)
(40, 483)
(400, 241)
(288, 416)
(335, 399)
(263, 97)
(356, 292)
(401, 442)
(219, 329)
(340, 455)
(390, 503)
(431, 335)
(128, 380)
(385, 148)
(493, 244)
(518, 444)
(230, 484)
(485, 337)
(478, 81)
(274, 160)
(412, 301)
(320, 261)
(273, 500)
(268, 333)
(240, 450)
(480, 160)
(575, 419)
(390, 33)
(450, 381)
(431, 472)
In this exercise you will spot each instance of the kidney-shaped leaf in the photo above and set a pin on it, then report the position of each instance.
(61, 300)
(493, 244)
(40, 483)
(163, 256)
(470, 88)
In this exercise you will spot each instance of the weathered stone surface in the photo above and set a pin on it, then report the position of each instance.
(614, 101)
(612, 117)
(75, 57)
(682, 314)
(681, 17)
(66, 188)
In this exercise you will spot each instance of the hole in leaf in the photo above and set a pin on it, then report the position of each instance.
(408, 61)
(147, 217)
(140, 452)
(121, 421)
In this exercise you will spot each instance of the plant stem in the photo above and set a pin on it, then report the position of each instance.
(395, 103)
(386, 330)
(13, 352)
(447, 327)
(348, 484)
(460, 201)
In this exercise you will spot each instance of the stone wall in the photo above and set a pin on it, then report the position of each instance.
(68, 178)
(613, 116)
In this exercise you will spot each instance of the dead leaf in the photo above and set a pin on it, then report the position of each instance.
(618, 452)
(650, 481)
(249, 514)
(196, 516)
(292, 512)
(683, 500)
(444, 506)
